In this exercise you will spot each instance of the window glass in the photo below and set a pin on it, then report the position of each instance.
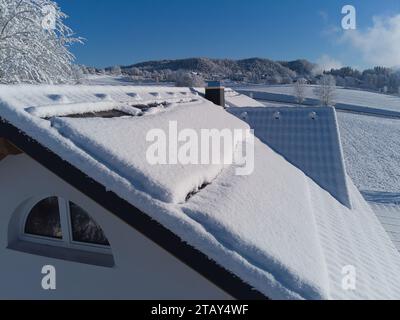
(44, 219)
(84, 228)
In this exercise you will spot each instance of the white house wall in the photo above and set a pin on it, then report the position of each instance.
(142, 269)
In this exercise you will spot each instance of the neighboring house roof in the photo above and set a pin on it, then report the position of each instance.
(276, 229)
(387, 208)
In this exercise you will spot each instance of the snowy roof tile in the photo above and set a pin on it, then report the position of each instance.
(275, 229)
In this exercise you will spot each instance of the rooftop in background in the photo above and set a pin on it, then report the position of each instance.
(345, 99)
(387, 208)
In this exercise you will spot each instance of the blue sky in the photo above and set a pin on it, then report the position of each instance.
(125, 32)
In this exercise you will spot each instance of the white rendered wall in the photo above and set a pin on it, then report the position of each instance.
(142, 269)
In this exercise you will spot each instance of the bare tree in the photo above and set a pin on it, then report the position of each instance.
(326, 90)
(34, 42)
(300, 90)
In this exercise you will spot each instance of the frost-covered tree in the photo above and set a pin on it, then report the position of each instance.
(34, 42)
(185, 79)
(116, 71)
(78, 74)
(325, 90)
(300, 90)
(135, 72)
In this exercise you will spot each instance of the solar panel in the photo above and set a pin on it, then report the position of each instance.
(306, 137)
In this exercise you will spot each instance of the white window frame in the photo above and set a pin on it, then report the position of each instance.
(66, 241)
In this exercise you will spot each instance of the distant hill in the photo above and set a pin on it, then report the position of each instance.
(193, 72)
(301, 66)
(251, 69)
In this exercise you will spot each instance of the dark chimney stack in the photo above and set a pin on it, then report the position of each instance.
(215, 92)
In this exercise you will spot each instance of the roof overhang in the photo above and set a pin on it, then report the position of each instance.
(7, 148)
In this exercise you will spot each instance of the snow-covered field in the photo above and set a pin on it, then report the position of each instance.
(372, 151)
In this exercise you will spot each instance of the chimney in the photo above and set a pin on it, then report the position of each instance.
(215, 92)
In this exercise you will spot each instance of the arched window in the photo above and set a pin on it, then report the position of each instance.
(57, 222)
(84, 228)
(44, 219)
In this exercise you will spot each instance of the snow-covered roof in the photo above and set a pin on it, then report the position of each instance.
(276, 229)
(235, 99)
